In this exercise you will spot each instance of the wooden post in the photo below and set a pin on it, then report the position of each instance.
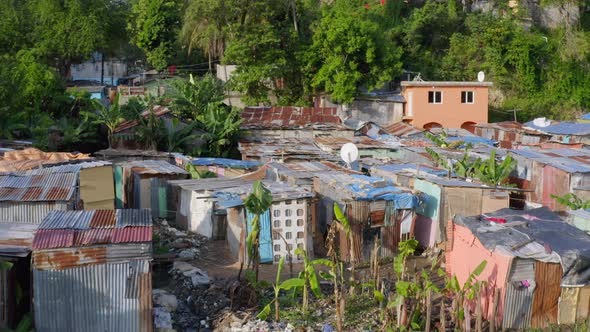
(478, 313)
(428, 309)
(443, 319)
(495, 310)
(467, 317)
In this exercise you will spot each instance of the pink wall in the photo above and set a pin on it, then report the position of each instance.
(466, 252)
(451, 113)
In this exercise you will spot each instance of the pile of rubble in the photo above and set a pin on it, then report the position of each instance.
(185, 245)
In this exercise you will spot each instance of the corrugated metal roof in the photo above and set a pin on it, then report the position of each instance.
(153, 167)
(366, 188)
(318, 118)
(283, 149)
(569, 160)
(135, 218)
(38, 185)
(401, 129)
(563, 128)
(99, 297)
(62, 229)
(412, 168)
(230, 163)
(445, 83)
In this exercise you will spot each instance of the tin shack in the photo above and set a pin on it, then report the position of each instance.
(91, 271)
(287, 225)
(538, 263)
(15, 275)
(376, 209)
(549, 172)
(144, 184)
(27, 196)
(443, 198)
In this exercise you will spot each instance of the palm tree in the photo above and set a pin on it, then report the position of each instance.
(204, 29)
(111, 117)
(151, 129)
(177, 136)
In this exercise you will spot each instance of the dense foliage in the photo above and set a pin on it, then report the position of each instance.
(286, 52)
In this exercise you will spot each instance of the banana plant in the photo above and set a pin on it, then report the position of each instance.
(277, 287)
(466, 168)
(196, 174)
(310, 277)
(469, 290)
(257, 203)
(439, 161)
(494, 174)
(572, 201)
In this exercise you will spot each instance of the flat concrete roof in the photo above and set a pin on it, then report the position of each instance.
(444, 83)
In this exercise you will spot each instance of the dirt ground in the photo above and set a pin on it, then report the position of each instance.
(218, 261)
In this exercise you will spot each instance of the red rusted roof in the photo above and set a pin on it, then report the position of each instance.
(158, 111)
(401, 129)
(287, 117)
(65, 229)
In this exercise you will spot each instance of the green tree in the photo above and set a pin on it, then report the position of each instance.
(66, 32)
(222, 126)
(350, 50)
(153, 27)
(151, 130)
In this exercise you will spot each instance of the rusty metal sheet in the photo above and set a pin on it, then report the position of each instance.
(103, 219)
(546, 296)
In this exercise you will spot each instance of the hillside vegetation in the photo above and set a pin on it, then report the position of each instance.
(298, 48)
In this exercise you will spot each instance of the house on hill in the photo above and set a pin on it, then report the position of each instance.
(445, 104)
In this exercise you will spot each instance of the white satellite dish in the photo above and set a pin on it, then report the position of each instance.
(349, 153)
(542, 122)
(481, 76)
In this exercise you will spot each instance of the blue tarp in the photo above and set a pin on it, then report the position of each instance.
(563, 128)
(367, 192)
(229, 163)
(472, 140)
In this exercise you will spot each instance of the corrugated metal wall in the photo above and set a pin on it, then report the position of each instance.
(28, 212)
(105, 297)
(4, 298)
(546, 297)
(518, 302)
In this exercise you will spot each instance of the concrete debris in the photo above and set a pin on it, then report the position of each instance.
(164, 299)
(162, 319)
(187, 255)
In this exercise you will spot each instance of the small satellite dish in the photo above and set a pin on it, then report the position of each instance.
(349, 153)
(481, 76)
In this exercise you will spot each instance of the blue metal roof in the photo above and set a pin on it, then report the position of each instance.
(563, 128)
(230, 163)
(472, 140)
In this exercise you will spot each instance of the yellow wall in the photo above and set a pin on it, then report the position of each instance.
(97, 188)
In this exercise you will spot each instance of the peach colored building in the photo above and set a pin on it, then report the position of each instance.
(445, 104)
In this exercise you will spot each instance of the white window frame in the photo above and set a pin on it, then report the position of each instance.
(434, 97)
(467, 99)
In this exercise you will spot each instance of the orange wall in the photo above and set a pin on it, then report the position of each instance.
(451, 113)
